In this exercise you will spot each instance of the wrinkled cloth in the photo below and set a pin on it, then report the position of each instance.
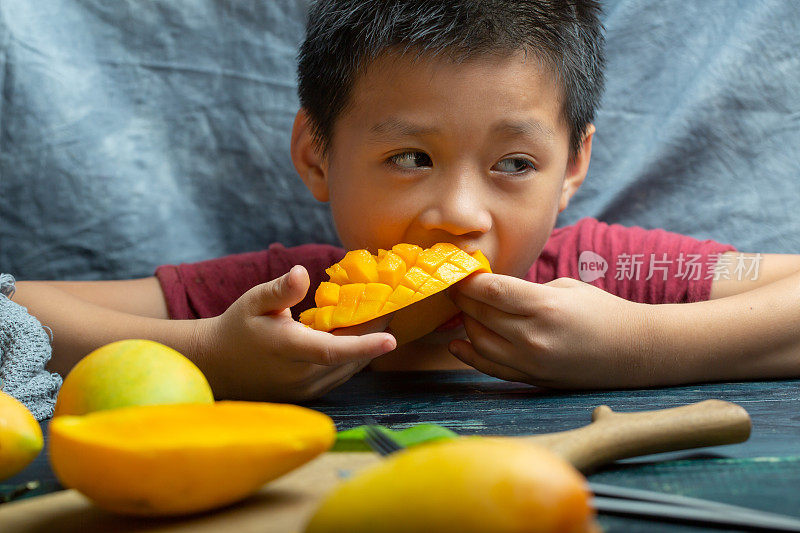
(141, 133)
(24, 352)
(697, 131)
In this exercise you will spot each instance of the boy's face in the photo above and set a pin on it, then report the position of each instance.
(475, 154)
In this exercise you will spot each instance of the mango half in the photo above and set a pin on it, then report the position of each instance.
(161, 460)
(364, 286)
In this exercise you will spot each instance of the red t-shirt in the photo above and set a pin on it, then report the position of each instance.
(648, 266)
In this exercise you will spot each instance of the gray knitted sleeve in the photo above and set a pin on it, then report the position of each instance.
(24, 352)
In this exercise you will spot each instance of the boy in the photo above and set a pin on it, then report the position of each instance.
(468, 122)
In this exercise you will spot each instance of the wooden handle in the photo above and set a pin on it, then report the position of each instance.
(612, 436)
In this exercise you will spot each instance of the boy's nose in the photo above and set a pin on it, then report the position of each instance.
(459, 207)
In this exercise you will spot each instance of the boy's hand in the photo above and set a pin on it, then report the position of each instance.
(562, 334)
(255, 350)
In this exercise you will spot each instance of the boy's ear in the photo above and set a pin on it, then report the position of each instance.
(576, 169)
(307, 159)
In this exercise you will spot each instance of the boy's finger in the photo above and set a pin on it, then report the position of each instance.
(507, 325)
(489, 344)
(464, 351)
(507, 293)
(326, 349)
(336, 376)
(279, 294)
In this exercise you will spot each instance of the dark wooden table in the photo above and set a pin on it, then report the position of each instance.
(763, 472)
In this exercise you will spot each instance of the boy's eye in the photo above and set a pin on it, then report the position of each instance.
(409, 160)
(514, 165)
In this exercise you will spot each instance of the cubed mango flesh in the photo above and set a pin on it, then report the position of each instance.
(391, 269)
(363, 286)
(337, 274)
(327, 294)
(361, 266)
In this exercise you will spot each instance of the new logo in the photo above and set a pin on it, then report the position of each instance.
(591, 266)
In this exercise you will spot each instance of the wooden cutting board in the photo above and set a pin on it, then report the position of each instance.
(285, 505)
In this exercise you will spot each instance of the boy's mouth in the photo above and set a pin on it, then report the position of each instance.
(451, 324)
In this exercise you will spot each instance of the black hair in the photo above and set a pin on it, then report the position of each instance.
(344, 36)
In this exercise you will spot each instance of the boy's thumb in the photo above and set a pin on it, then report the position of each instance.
(280, 293)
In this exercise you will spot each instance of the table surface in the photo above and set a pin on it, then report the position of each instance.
(763, 472)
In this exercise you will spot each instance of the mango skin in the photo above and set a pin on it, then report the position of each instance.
(465, 485)
(172, 460)
(20, 436)
(131, 372)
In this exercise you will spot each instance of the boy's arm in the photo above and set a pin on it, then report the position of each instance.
(141, 297)
(84, 315)
(570, 334)
(754, 270)
(749, 327)
(252, 351)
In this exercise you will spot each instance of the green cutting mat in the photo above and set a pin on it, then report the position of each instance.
(765, 483)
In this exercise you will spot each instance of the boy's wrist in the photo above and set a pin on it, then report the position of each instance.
(644, 343)
(200, 349)
(670, 342)
(189, 337)
(693, 344)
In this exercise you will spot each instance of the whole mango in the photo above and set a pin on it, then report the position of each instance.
(469, 484)
(131, 372)
(20, 436)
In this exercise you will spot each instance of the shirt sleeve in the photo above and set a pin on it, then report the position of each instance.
(207, 288)
(648, 266)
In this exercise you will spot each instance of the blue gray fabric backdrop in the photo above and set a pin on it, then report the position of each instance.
(139, 133)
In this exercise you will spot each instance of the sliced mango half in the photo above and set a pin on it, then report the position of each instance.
(364, 286)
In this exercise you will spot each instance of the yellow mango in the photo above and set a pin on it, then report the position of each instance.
(366, 311)
(327, 294)
(448, 273)
(323, 320)
(372, 300)
(131, 372)
(363, 286)
(415, 278)
(337, 274)
(464, 261)
(361, 266)
(377, 292)
(20, 436)
(430, 259)
(307, 317)
(161, 460)
(350, 296)
(469, 485)
(482, 260)
(391, 269)
(408, 252)
(401, 296)
(431, 286)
